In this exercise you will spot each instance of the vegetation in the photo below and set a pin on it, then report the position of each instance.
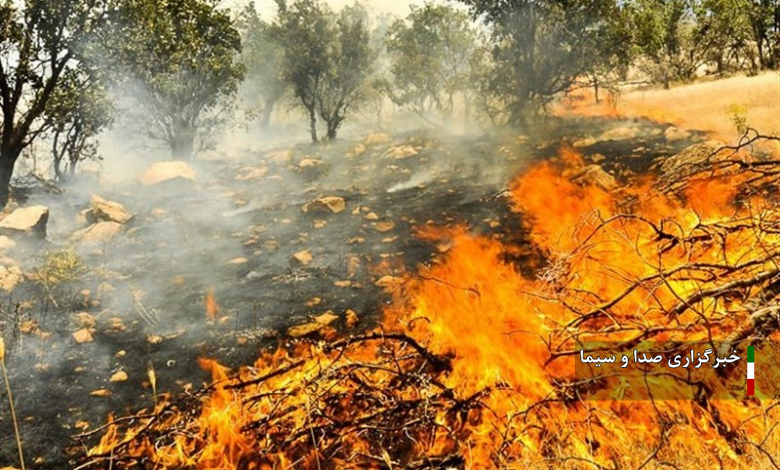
(262, 52)
(67, 69)
(432, 53)
(327, 59)
(177, 59)
(41, 62)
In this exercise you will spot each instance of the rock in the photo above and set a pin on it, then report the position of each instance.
(594, 175)
(386, 226)
(389, 282)
(619, 133)
(98, 233)
(332, 204)
(120, 376)
(675, 133)
(400, 152)
(319, 323)
(109, 211)
(351, 318)
(10, 277)
(26, 220)
(310, 163)
(584, 142)
(251, 173)
(303, 257)
(166, 171)
(6, 243)
(83, 336)
(377, 139)
(85, 218)
(359, 149)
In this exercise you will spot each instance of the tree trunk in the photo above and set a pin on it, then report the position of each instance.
(333, 128)
(268, 108)
(183, 144)
(313, 125)
(8, 159)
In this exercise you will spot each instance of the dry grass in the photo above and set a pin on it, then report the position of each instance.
(60, 267)
(708, 106)
(11, 404)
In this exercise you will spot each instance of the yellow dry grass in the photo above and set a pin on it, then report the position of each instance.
(709, 106)
(706, 105)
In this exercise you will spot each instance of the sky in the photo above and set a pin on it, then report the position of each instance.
(398, 7)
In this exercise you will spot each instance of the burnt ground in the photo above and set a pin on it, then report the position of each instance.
(234, 232)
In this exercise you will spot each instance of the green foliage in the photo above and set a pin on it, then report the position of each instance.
(539, 49)
(723, 27)
(432, 52)
(666, 37)
(178, 60)
(738, 115)
(42, 60)
(327, 59)
(80, 109)
(262, 52)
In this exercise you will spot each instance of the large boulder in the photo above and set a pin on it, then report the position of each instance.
(99, 233)
(109, 211)
(162, 172)
(26, 220)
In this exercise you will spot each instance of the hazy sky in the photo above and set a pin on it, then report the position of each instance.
(398, 7)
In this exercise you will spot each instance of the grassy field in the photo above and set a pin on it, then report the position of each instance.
(709, 106)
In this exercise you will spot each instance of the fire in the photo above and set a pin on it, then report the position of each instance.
(469, 368)
(212, 307)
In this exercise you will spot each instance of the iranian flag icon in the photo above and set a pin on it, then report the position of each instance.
(751, 389)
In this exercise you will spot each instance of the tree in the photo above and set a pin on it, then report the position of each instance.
(764, 18)
(723, 27)
(665, 36)
(327, 59)
(178, 60)
(431, 52)
(539, 49)
(40, 48)
(80, 109)
(262, 56)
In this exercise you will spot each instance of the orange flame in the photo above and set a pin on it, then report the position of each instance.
(212, 307)
(500, 330)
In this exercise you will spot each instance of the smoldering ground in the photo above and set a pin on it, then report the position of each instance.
(235, 231)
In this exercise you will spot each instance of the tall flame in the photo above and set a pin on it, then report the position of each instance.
(607, 265)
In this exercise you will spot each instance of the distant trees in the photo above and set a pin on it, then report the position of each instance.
(665, 35)
(327, 59)
(539, 49)
(431, 52)
(183, 61)
(80, 109)
(764, 19)
(40, 57)
(178, 60)
(262, 56)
